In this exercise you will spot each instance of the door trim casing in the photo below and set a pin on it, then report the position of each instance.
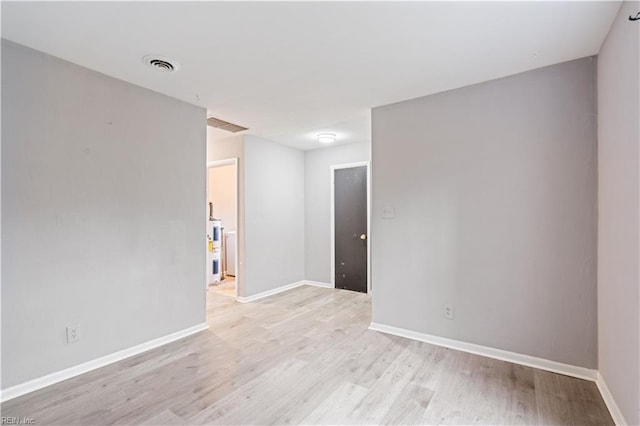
(332, 170)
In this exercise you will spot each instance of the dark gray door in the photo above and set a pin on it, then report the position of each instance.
(350, 219)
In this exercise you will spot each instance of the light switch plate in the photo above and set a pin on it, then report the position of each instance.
(449, 313)
(388, 213)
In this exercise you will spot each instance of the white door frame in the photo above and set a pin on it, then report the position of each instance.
(219, 163)
(333, 169)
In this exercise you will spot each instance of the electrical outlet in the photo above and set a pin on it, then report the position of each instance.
(448, 312)
(73, 333)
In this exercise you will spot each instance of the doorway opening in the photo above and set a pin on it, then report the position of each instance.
(222, 227)
(350, 228)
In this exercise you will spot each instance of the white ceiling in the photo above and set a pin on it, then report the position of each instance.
(291, 70)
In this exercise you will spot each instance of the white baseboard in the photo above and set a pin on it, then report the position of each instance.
(516, 358)
(319, 284)
(280, 289)
(616, 414)
(269, 292)
(67, 373)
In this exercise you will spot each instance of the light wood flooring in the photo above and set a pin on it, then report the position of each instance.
(306, 357)
(227, 287)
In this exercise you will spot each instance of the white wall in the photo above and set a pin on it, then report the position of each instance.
(318, 204)
(223, 149)
(494, 190)
(103, 188)
(619, 212)
(222, 193)
(274, 215)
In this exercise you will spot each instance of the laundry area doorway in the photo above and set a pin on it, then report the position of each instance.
(222, 227)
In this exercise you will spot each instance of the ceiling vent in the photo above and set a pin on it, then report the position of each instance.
(161, 64)
(224, 125)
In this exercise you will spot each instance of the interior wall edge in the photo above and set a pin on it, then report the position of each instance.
(610, 401)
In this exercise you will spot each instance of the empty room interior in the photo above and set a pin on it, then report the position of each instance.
(320, 213)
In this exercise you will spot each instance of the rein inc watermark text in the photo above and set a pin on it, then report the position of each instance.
(17, 421)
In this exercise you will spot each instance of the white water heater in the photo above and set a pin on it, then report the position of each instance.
(214, 247)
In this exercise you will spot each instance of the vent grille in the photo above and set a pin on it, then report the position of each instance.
(160, 63)
(224, 125)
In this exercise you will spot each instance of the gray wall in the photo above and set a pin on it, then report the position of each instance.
(274, 215)
(619, 213)
(494, 190)
(233, 147)
(103, 188)
(318, 204)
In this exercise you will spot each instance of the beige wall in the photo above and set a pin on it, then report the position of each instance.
(222, 193)
(619, 212)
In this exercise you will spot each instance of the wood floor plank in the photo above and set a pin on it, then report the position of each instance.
(306, 356)
(336, 408)
(248, 401)
(166, 417)
(409, 407)
(561, 399)
(387, 389)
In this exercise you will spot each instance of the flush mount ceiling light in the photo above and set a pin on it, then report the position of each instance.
(160, 63)
(326, 137)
